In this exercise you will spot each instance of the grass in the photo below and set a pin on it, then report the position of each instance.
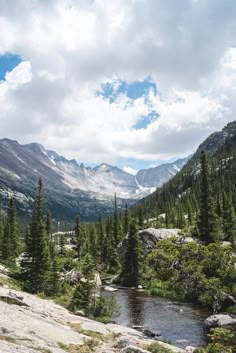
(157, 348)
(7, 339)
(11, 283)
(160, 289)
(231, 310)
(41, 349)
(89, 333)
(88, 347)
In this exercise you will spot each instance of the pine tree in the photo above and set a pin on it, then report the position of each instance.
(84, 293)
(208, 221)
(140, 218)
(38, 266)
(49, 227)
(112, 257)
(126, 220)
(1, 233)
(101, 239)
(78, 237)
(62, 243)
(229, 219)
(54, 283)
(115, 223)
(10, 243)
(130, 273)
(93, 243)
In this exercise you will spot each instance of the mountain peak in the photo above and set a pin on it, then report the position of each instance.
(35, 147)
(103, 167)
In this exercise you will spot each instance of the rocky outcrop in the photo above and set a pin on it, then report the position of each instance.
(149, 237)
(43, 326)
(220, 320)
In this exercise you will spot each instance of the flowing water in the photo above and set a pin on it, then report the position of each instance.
(179, 324)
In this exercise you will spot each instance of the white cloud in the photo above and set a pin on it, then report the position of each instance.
(70, 48)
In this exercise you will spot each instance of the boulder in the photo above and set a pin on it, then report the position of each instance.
(149, 237)
(110, 289)
(220, 320)
(98, 280)
(151, 334)
(10, 299)
(79, 313)
(133, 349)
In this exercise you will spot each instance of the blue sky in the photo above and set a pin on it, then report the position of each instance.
(7, 63)
(125, 83)
(132, 90)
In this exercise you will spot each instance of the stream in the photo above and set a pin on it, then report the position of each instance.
(178, 323)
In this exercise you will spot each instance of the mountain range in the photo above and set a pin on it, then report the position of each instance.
(70, 187)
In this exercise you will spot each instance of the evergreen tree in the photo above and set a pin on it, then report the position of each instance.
(101, 239)
(62, 243)
(84, 293)
(115, 223)
(167, 218)
(54, 284)
(130, 273)
(229, 219)
(208, 221)
(140, 218)
(93, 243)
(49, 227)
(77, 236)
(10, 241)
(38, 266)
(1, 233)
(126, 219)
(112, 257)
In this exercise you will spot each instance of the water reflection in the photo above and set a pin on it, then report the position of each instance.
(178, 323)
(136, 308)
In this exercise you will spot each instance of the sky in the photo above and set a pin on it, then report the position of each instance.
(130, 83)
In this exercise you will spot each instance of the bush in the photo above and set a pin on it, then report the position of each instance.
(221, 341)
(158, 348)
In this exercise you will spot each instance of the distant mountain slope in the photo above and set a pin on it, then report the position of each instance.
(71, 188)
(157, 176)
(181, 194)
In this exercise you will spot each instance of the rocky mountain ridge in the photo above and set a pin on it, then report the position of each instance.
(71, 188)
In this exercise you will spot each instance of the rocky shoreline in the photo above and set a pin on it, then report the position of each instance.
(33, 325)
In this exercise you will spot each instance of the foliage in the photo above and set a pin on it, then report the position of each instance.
(157, 348)
(221, 341)
(9, 235)
(194, 272)
(131, 271)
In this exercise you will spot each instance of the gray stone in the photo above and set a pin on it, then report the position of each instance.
(12, 300)
(133, 349)
(98, 280)
(149, 237)
(110, 289)
(220, 320)
(80, 313)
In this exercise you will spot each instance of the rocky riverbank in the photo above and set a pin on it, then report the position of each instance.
(33, 325)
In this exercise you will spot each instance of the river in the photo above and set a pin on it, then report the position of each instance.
(179, 324)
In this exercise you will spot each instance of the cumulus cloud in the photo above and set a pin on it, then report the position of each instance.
(71, 48)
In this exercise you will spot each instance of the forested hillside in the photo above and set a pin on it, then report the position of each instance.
(179, 199)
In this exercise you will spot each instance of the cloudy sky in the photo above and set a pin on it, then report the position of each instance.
(130, 83)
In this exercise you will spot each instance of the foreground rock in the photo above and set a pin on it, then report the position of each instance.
(220, 320)
(42, 326)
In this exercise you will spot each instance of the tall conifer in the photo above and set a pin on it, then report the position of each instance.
(208, 221)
